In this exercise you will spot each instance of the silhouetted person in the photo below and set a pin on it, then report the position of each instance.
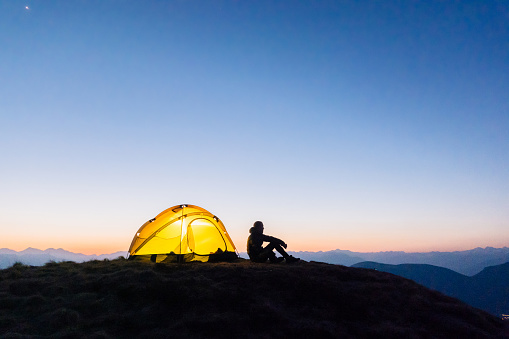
(258, 253)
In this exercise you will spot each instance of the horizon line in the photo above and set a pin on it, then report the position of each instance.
(395, 251)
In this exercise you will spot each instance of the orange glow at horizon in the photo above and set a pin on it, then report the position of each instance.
(87, 246)
(392, 244)
(358, 243)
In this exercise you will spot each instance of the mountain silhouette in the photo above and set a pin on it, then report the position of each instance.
(36, 257)
(468, 262)
(487, 290)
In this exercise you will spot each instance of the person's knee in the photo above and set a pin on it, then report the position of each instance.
(278, 248)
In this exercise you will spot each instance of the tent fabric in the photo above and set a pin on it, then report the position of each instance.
(183, 233)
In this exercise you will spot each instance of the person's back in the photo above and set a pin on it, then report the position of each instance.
(255, 241)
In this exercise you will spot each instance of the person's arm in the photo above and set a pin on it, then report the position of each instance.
(268, 238)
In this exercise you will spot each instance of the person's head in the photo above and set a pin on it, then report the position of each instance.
(258, 226)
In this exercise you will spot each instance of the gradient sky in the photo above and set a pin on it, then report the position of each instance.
(355, 125)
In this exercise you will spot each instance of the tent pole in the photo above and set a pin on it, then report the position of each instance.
(179, 257)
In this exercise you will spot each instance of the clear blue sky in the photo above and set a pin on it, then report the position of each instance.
(358, 125)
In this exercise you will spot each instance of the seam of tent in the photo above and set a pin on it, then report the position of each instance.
(155, 233)
(215, 226)
(221, 234)
(181, 225)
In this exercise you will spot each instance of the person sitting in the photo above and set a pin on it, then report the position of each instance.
(260, 254)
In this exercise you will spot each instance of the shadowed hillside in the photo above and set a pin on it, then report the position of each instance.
(487, 290)
(125, 299)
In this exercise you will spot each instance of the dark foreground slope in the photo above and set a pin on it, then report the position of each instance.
(123, 299)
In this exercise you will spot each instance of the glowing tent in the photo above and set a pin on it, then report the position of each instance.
(183, 233)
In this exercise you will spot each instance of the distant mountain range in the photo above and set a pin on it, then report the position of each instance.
(35, 257)
(487, 290)
(468, 262)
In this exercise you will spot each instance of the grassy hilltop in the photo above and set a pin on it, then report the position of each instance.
(124, 299)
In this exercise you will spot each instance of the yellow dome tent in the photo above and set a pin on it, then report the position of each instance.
(183, 233)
